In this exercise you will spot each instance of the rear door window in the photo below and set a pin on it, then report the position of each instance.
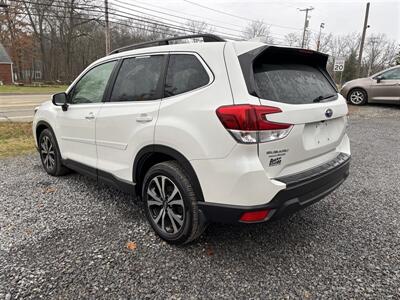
(139, 79)
(291, 83)
(391, 74)
(185, 73)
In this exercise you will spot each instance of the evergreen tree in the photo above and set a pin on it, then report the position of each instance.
(350, 67)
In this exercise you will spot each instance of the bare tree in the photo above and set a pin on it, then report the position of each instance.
(36, 13)
(258, 29)
(325, 39)
(380, 53)
(13, 36)
(197, 27)
(292, 39)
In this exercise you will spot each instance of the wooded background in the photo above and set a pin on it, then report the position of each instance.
(60, 38)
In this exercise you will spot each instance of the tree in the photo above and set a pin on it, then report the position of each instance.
(258, 29)
(197, 27)
(350, 67)
(380, 53)
(293, 39)
(324, 41)
(19, 41)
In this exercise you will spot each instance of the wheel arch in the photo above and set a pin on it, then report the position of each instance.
(40, 126)
(153, 154)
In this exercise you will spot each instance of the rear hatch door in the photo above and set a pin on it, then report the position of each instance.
(296, 81)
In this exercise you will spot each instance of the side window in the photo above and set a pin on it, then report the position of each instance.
(392, 74)
(185, 73)
(138, 79)
(90, 88)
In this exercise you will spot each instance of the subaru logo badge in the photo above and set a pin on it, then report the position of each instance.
(328, 113)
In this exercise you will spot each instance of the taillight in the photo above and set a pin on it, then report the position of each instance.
(248, 123)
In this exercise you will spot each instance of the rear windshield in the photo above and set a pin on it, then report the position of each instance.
(292, 83)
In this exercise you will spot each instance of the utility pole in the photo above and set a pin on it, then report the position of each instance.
(305, 24)
(107, 29)
(363, 40)
(319, 36)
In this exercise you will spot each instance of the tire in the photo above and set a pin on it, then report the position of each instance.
(50, 154)
(175, 219)
(357, 96)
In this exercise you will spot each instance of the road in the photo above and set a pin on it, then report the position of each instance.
(69, 238)
(19, 108)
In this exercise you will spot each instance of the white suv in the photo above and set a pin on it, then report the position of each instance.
(217, 131)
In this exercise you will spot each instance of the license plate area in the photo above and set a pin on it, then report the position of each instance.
(320, 134)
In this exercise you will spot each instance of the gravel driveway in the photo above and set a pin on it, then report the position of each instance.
(70, 238)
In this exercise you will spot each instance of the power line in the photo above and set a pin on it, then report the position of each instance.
(186, 14)
(136, 18)
(237, 16)
(172, 15)
(153, 29)
(175, 16)
(119, 13)
(172, 24)
(130, 25)
(158, 17)
(155, 26)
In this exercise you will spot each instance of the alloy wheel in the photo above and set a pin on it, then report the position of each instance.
(165, 205)
(47, 152)
(357, 97)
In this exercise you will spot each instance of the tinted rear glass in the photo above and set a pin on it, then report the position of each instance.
(291, 83)
(185, 73)
(138, 79)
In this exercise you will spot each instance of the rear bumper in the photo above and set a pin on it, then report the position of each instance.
(302, 189)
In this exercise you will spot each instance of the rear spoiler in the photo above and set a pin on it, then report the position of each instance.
(277, 55)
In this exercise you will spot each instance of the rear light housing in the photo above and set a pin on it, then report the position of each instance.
(248, 123)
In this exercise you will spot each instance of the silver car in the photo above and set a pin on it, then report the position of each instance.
(382, 87)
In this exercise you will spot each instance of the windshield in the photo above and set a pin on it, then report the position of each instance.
(292, 83)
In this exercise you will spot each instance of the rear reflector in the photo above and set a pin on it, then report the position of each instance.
(254, 216)
(248, 123)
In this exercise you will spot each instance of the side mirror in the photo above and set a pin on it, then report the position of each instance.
(379, 78)
(60, 99)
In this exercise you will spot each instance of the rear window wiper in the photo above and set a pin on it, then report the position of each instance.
(320, 98)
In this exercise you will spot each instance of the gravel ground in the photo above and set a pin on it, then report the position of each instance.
(70, 238)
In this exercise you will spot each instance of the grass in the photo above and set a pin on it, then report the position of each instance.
(48, 89)
(16, 139)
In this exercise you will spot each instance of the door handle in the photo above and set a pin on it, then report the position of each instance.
(90, 116)
(143, 118)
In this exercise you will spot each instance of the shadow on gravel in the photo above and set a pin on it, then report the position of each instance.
(275, 234)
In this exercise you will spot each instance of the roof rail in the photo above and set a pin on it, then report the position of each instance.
(206, 39)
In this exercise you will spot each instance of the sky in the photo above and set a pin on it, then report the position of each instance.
(340, 16)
